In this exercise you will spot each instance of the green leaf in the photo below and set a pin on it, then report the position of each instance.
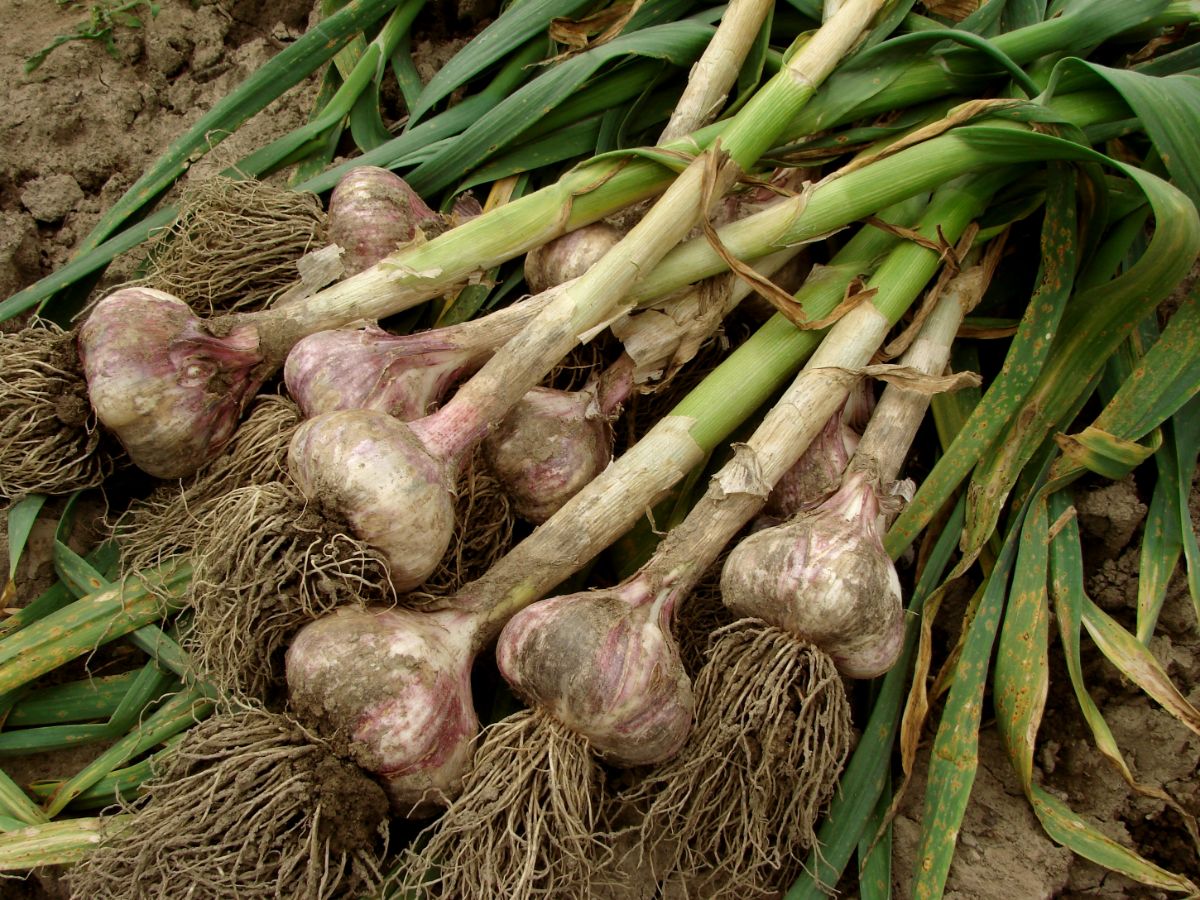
(78, 628)
(1104, 453)
(120, 783)
(445, 125)
(179, 713)
(21, 516)
(1168, 109)
(515, 26)
(679, 43)
(884, 79)
(1093, 327)
(955, 755)
(1026, 355)
(1138, 664)
(1069, 598)
(164, 650)
(1186, 429)
(366, 124)
(875, 855)
(1066, 828)
(55, 843)
(83, 265)
(31, 741)
(1023, 13)
(14, 804)
(1021, 676)
(80, 576)
(55, 597)
(1162, 542)
(76, 701)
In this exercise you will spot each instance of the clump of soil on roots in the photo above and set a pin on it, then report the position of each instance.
(248, 805)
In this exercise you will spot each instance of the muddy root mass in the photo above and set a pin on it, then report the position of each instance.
(737, 808)
(248, 805)
(264, 567)
(164, 524)
(50, 443)
(235, 244)
(525, 825)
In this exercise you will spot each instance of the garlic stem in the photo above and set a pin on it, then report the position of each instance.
(714, 73)
(898, 415)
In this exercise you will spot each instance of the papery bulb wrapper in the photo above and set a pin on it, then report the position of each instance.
(604, 667)
(549, 446)
(402, 375)
(825, 578)
(394, 685)
(171, 391)
(569, 256)
(372, 212)
(372, 472)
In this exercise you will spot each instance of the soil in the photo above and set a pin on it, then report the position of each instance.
(78, 131)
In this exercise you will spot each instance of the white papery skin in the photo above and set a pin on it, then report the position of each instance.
(392, 688)
(371, 471)
(604, 664)
(568, 256)
(825, 578)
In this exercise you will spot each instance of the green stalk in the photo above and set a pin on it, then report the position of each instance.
(588, 300)
(588, 193)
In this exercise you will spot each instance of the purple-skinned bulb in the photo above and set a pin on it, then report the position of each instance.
(170, 391)
(372, 212)
(392, 687)
(405, 376)
(371, 471)
(825, 578)
(569, 256)
(549, 446)
(605, 664)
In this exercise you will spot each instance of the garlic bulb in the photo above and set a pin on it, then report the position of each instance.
(547, 448)
(393, 687)
(402, 375)
(568, 256)
(170, 390)
(372, 472)
(825, 578)
(373, 212)
(604, 664)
